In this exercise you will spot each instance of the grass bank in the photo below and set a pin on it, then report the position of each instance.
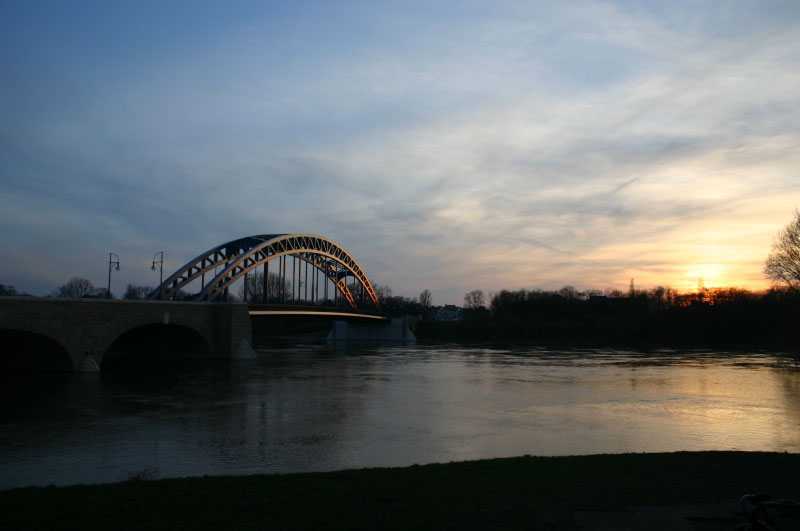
(515, 493)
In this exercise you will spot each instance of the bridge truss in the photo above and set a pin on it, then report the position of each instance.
(231, 261)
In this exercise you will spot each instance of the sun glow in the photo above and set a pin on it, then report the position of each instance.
(708, 275)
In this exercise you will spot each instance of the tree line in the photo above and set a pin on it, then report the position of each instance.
(717, 316)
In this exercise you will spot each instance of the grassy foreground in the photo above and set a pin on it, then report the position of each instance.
(515, 493)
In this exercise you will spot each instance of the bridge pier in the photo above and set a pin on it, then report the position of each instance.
(399, 329)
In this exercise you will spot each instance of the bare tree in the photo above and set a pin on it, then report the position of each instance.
(182, 295)
(425, 301)
(474, 299)
(384, 293)
(76, 288)
(100, 293)
(613, 293)
(568, 292)
(7, 291)
(255, 287)
(783, 262)
(136, 292)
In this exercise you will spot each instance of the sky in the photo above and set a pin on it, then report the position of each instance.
(447, 146)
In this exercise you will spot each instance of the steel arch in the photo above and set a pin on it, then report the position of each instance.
(238, 257)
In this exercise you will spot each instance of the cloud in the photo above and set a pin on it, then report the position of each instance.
(484, 146)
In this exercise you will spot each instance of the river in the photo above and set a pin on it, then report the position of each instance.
(308, 408)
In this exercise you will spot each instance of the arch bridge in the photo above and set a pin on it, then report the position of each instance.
(322, 273)
(79, 334)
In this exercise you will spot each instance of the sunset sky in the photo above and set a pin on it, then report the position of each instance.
(447, 145)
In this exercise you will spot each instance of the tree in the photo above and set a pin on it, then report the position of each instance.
(384, 293)
(397, 306)
(136, 292)
(182, 295)
(783, 262)
(75, 288)
(568, 292)
(425, 302)
(100, 293)
(474, 305)
(474, 299)
(6, 290)
(255, 287)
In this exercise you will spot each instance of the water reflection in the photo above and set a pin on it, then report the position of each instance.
(309, 408)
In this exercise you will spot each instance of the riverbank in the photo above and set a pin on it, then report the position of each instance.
(514, 493)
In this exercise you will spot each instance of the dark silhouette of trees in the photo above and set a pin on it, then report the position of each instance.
(783, 262)
(569, 292)
(475, 305)
(183, 296)
(136, 292)
(76, 288)
(255, 288)
(474, 299)
(382, 292)
(425, 303)
(395, 305)
(7, 291)
(361, 296)
(715, 316)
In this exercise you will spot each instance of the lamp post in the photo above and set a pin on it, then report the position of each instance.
(111, 264)
(160, 263)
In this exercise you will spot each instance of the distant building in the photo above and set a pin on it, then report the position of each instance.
(448, 312)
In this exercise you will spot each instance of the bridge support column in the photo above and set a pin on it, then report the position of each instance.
(400, 329)
(234, 332)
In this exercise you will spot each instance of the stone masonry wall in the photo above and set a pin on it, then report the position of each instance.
(87, 327)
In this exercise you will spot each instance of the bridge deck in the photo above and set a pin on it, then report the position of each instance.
(318, 311)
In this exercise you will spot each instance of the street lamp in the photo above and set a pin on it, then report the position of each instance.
(160, 263)
(111, 264)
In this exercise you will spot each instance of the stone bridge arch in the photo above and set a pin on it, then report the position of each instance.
(23, 314)
(27, 345)
(167, 319)
(85, 329)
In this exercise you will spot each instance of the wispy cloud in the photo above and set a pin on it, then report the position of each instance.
(488, 146)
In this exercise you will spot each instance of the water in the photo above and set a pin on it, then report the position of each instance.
(310, 409)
